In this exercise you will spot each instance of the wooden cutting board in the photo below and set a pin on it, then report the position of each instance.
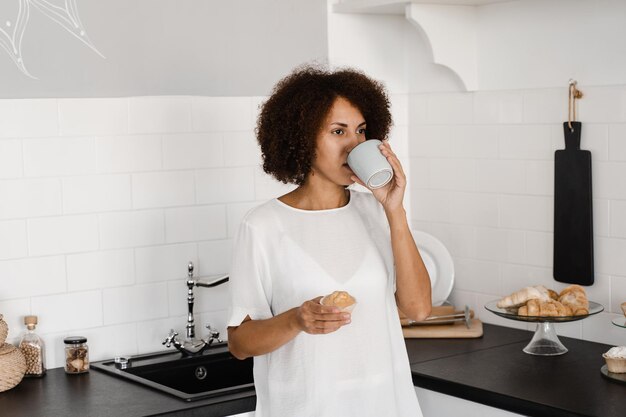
(444, 331)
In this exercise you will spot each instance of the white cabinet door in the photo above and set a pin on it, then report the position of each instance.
(435, 404)
(248, 414)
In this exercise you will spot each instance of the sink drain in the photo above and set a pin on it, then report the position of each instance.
(201, 372)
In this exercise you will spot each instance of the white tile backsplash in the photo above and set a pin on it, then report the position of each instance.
(617, 219)
(63, 312)
(241, 149)
(93, 116)
(500, 232)
(137, 187)
(163, 189)
(474, 141)
(498, 176)
(128, 153)
(213, 114)
(164, 263)
(88, 194)
(189, 224)
(10, 159)
(192, 150)
(546, 105)
(526, 212)
(30, 277)
(59, 156)
(617, 142)
(102, 269)
(28, 118)
(65, 234)
(450, 108)
(159, 114)
(224, 185)
(135, 303)
(525, 142)
(29, 198)
(131, 229)
(13, 241)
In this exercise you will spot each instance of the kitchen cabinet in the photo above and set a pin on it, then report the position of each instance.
(434, 404)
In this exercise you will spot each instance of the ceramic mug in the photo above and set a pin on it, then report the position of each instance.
(369, 164)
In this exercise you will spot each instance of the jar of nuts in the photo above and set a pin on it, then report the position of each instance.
(32, 347)
(76, 355)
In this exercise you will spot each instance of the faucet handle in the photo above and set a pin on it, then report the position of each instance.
(214, 335)
(190, 269)
(170, 338)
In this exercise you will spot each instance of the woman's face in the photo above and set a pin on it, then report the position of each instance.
(342, 130)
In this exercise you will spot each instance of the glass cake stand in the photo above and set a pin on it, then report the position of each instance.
(619, 322)
(545, 342)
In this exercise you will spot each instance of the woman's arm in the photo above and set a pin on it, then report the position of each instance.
(258, 337)
(413, 292)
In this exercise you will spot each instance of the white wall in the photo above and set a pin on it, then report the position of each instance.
(543, 43)
(164, 47)
(482, 163)
(104, 201)
(482, 166)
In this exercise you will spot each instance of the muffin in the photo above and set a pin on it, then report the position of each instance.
(616, 359)
(340, 299)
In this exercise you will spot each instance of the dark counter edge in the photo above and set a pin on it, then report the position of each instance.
(489, 398)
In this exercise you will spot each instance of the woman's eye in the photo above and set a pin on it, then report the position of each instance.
(361, 131)
(338, 131)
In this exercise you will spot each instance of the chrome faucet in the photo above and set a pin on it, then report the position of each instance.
(191, 345)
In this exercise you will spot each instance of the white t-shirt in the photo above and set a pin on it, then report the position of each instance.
(284, 256)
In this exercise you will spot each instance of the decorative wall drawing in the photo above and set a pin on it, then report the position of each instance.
(65, 14)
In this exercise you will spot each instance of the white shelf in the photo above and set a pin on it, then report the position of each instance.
(398, 6)
(449, 27)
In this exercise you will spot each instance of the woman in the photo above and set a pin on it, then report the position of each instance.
(310, 359)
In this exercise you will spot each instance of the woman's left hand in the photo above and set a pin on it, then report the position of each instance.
(391, 195)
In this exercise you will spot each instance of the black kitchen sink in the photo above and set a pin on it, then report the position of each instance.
(214, 373)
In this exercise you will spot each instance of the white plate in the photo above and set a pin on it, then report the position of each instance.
(438, 263)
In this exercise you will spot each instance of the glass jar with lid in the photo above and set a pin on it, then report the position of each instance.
(76, 355)
(33, 348)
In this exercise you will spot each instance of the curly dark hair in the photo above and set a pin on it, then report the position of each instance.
(291, 119)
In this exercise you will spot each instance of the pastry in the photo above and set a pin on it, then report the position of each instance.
(616, 359)
(548, 308)
(521, 297)
(575, 297)
(624, 308)
(340, 299)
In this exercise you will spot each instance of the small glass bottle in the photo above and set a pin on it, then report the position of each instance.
(33, 348)
(76, 355)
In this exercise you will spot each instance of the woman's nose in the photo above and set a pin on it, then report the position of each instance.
(356, 140)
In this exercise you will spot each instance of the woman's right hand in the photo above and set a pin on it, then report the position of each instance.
(314, 318)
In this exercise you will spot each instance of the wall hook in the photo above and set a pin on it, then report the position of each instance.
(574, 93)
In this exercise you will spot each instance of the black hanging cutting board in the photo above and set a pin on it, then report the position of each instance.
(573, 216)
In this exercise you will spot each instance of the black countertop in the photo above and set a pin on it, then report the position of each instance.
(491, 370)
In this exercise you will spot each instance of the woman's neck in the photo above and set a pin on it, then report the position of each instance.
(317, 196)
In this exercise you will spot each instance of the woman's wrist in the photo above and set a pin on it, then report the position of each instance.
(396, 216)
(293, 322)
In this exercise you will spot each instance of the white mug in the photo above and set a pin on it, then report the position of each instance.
(369, 164)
